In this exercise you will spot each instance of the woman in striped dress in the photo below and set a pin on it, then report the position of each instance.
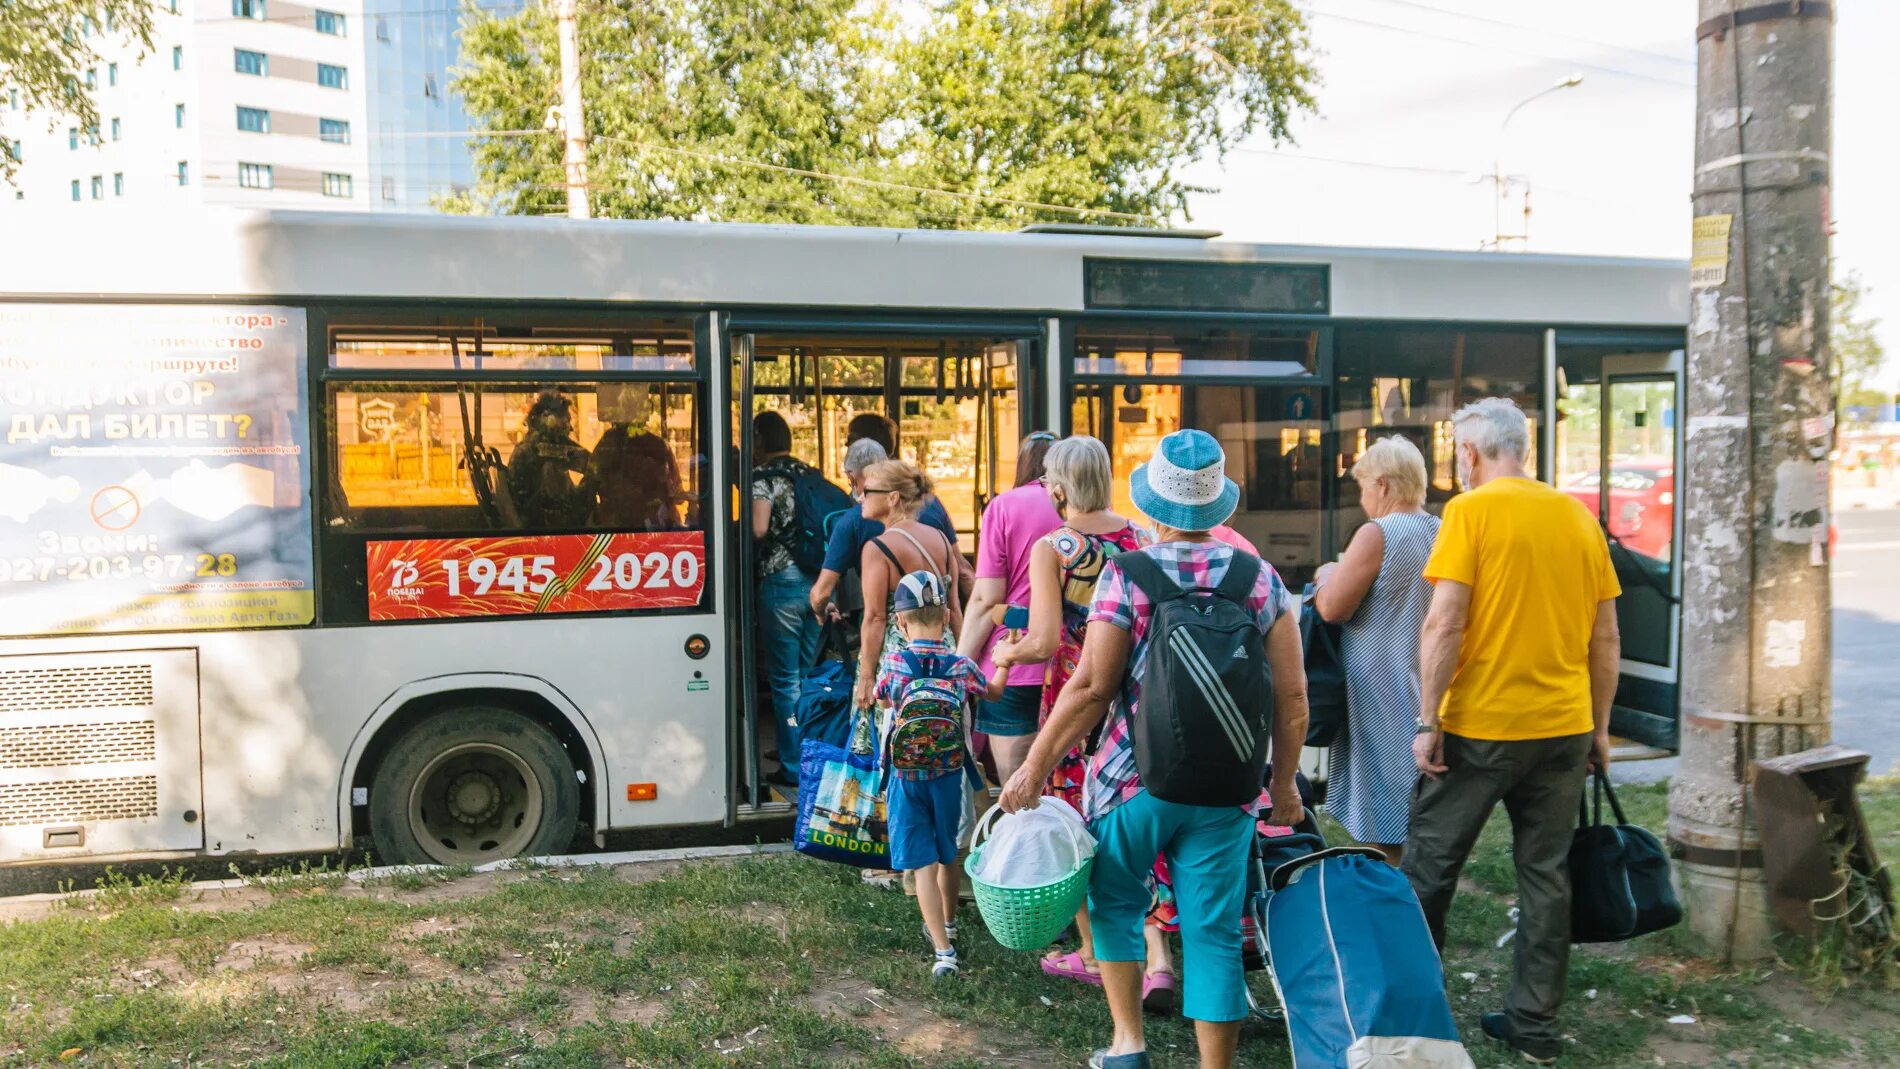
(1379, 594)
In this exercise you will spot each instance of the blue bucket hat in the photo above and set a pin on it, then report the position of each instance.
(916, 590)
(1185, 484)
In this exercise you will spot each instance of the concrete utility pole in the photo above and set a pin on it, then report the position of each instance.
(1756, 646)
(573, 119)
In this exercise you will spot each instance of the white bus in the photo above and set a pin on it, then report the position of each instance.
(322, 527)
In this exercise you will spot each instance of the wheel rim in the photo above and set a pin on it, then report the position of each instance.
(474, 803)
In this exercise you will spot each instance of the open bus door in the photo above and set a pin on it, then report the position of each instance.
(1619, 452)
(960, 399)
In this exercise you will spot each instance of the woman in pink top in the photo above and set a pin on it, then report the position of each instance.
(1012, 524)
(1234, 538)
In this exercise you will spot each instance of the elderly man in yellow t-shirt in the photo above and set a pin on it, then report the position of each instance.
(1518, 665)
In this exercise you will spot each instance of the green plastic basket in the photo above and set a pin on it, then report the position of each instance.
(1026, 918)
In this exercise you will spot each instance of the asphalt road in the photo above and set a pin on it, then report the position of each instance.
(1866, 643)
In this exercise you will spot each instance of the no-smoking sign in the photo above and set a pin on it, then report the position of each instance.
(115, 508)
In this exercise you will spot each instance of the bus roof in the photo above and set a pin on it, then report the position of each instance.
(226, 254)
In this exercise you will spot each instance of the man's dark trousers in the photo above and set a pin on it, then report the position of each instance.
(1539, 781)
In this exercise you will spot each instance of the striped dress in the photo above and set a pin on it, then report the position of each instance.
(1371, 772)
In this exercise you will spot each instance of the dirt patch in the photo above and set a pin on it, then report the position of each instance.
(912, 1027)
(246, 955)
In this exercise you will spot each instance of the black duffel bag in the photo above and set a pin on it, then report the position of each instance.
(1325, 675)
(1619, 875)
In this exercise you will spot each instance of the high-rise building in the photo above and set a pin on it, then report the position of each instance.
(334, 104)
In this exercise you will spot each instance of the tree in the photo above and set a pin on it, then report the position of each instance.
(46, 46)
(838, 111)
(1858, 355)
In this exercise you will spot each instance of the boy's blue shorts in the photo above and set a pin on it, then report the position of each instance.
(923, 818)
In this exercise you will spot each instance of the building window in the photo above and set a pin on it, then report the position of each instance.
(178, 57)
(332, 23)
(76, 196)
(92, 136)
(184, 174)
(112, 74)
(248, 9)
(253, 120)
(428, 86)
(98, 187)
(389, 188)
(118, 184)
(382, 28)
(174, 7)
(331, 77)
(178, 115)
(335, 131)
(254, 175)
(72, 138)
(248, 62)
(338, 185)
(13, 99)
(115, 129)
(15, 151)
(92, 78)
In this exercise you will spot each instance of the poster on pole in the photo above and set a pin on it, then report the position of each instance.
(154, 475)
(1708, 251)
(514, 575)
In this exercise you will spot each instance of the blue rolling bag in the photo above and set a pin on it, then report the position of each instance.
(1355, 967)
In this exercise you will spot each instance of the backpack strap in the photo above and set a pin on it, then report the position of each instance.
(889, 556)
(1145, 572)
(1243, 572)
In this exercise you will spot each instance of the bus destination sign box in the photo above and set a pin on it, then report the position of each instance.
(154, 474)
(1200, 286)
(442, 578)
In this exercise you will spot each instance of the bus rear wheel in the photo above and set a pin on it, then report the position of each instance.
(472, 785)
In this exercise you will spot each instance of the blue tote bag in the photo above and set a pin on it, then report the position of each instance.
(841, 808)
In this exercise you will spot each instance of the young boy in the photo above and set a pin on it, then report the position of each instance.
(926, 797)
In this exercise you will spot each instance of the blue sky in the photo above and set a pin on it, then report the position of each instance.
(1414, 92)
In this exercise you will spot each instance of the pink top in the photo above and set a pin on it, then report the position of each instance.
(1012, 524)
(1234, 538)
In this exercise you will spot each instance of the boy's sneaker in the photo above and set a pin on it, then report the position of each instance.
(945, 965)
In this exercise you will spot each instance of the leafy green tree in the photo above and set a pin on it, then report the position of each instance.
(1858, 355)
(968, 114)
(47, 45)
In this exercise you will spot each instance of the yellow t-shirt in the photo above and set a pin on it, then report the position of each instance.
(1537, 565)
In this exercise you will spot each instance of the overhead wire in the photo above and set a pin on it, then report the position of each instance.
(1687, 61)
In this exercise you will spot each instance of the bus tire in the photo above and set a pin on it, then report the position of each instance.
(471, 785)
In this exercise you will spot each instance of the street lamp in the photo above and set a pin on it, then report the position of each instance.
(1497, 165)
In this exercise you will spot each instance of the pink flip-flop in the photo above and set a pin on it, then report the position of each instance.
(1070, 967)
(1159, 993)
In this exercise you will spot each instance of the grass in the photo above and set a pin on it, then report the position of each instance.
(755, 963)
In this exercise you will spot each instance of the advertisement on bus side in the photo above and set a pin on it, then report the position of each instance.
(437, 578)
(154, 474)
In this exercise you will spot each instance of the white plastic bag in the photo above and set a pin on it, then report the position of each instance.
(1032, 847)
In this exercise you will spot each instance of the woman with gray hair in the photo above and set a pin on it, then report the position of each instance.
(1378, 593)
(1063, 567)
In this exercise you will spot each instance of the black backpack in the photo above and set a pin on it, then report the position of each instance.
(1206, 691)
(1325, 675)
(814, 500)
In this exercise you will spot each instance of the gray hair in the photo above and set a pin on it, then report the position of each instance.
(861, 454)
(1495, 427)
(1396, 460)
(1079, 464)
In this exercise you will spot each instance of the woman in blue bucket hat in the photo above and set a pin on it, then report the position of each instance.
(1184, 489)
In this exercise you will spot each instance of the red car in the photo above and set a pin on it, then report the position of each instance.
(1642, 513)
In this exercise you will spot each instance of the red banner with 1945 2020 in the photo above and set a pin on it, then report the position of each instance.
(438, 578)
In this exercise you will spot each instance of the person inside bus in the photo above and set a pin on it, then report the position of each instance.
(547, 465)
(788, 636)
(881, 429)
(636, 482)
(1013, 523)
(851, 531)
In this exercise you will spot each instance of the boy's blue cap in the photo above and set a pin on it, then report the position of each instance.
(918, 589)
